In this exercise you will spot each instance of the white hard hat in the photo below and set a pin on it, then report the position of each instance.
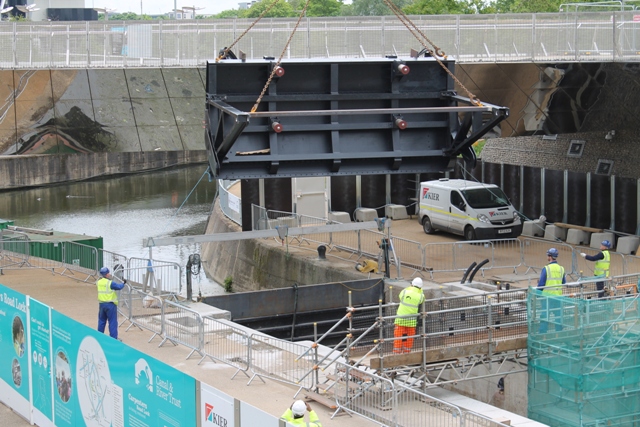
(298, 407)
(417, 282)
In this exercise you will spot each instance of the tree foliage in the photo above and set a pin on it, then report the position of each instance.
(282, 9)
(323, 7)
(376, 7)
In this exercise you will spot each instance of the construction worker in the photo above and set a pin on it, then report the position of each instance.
(602, 266)
(550, 284)
(295, 415)
(410, 300)
(108, 302)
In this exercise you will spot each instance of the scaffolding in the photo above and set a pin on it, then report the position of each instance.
(584, 356)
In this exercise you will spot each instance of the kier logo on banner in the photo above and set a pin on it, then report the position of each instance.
(429, 196)
(211, 417)
(497, 213)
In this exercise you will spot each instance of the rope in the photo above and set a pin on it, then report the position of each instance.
(224, 54)
(273, 71)
(185, 201)
(438, 52)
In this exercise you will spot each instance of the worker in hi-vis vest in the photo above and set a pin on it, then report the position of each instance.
(108, 302)
(410, 300)
(295, 415)
(550, 284)
(603, 263)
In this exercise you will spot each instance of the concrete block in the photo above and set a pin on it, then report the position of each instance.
(366, 214)
(395, 212)
(551, 232)
(578, 237)
(597, 238)
(628, 245)
(533, 228)
(337, 216)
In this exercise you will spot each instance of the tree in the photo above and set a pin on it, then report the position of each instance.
(282, 9)
(531, 6)
(324, 7)
(229, 14)
(376, 7)
(450, 7)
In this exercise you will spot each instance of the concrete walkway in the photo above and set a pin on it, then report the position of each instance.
(78, 300)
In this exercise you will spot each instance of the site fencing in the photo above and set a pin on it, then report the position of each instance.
(142, 310)
(362, 392)
(226, 343)
(182, 325)
(229, 203)
(568, 37)
(160, 277)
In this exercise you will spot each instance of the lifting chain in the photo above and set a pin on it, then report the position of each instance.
(438, 52)
(226, 50)
(286, 46)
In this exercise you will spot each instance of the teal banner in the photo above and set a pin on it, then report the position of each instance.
(100, 382)
(40, 343)
(14, 369)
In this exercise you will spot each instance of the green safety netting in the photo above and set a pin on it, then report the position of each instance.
(584, 360)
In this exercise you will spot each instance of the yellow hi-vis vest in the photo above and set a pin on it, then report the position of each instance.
(555, 274)
(410, 300)
(602, 265)
(105, 293)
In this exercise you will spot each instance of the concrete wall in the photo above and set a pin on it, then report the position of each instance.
(262, 264)
(38, 170)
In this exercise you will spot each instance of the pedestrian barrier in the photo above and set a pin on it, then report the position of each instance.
(280, 360)
(226, 343)
(144, 310)
(14, 254)
(409, 255)
(362, 392)
(229, 203)
(79, 258)
(182, 325)
(534, 255)
(160, 277)
(114, 261)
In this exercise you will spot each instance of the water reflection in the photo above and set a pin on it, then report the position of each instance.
(124, 211)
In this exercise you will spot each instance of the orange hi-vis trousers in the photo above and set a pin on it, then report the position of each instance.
(407, 343)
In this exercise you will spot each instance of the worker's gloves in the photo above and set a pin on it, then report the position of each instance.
(124, 281)
(583, 255)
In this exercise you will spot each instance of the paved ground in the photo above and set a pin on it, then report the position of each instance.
(78, 301)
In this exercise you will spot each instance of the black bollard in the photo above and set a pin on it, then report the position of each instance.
(322, 249)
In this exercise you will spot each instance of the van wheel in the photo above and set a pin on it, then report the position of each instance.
(469, 233)
(426, 225)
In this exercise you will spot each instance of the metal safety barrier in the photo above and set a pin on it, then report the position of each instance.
(115, 262)
(143, 310)
(230, 204)
(182, 325)
(549, 37)
(160, 277)
(224, 342)
(282, 361)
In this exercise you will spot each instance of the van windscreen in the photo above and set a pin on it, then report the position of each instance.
(484, 198)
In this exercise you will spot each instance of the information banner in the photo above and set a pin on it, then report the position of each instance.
(41, 369)
(103, 383)
(14, 363)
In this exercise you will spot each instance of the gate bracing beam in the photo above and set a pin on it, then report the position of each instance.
(337, 117)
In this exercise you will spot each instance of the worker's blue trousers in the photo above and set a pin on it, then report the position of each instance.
(108, 312)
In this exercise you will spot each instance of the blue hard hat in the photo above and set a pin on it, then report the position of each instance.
(606, 244)
(104, 271)
(553, 253)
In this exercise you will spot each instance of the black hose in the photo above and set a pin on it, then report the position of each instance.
(466, 273)
(475, 270)
(295, 310)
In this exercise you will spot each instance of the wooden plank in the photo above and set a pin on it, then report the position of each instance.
(578, 227)
(329, 403)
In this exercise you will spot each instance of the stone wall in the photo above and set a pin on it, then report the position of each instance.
(534, 151)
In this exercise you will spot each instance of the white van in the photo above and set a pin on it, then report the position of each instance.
(474, 210)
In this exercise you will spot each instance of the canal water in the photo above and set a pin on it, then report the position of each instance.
(124, 211)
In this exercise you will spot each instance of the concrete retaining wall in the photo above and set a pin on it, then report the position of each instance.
(262, 264)
(38, 170)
